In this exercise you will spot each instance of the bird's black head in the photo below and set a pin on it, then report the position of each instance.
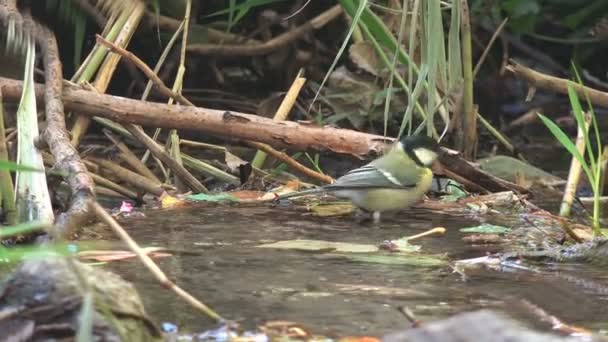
(422, 149)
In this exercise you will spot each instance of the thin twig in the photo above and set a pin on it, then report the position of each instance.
(162, 88)
(271, 45)
(103, 216)
(489, 46)
(291, 162)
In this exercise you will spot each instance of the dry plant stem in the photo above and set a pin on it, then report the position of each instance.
(159, 152)
(55, 134)
(174, 148)
(102, 181)
(103, 191)
(103, 216)
(483, 56)
(574, 173)
(7, 194)
(130, 177)
(99, 180)
(271, 45)
(283, 113)
(560, 85)
(287, 134)
(106, 71)
(138, 132)
(215, 36)
(160, 86)
(131, 158)
(434, 231)
(291, 162)
(469, 122)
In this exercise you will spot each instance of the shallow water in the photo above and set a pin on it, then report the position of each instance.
(214, 257)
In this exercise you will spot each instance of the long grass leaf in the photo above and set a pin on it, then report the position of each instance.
(356, 17)
(567, 143)
(579, 115)
(12, 166)
(33, 200)
(22, 229)
(85, 328)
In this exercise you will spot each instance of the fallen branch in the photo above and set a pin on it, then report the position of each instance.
(560, 85)
(287, 134)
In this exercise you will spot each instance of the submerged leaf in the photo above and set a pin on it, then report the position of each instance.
(336, 209)
(486, 228)
(222, 197)
(395, 259)
(321, 245)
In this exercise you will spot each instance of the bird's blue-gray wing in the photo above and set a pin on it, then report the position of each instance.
(368, 176)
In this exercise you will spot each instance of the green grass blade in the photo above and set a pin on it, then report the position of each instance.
(22, 229)
(11, 166)
(567, 143)
(85, 328)
(579, 115)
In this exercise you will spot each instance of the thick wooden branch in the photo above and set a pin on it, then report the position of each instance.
(217, 122)
(289, 134)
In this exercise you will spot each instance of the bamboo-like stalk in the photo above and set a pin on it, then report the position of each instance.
(130, 177)
(130, 158)
(282, 113)
(174, 148)
(106, 71)
(108, 184)
(209, 170)
(7, 194)
(574, 173)
(469, 122)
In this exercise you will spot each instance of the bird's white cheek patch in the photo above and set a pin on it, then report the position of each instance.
(426, 157)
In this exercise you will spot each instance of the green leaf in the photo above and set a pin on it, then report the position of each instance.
(223, 197)
(11, 166)
(567, 143)
(486, 228)
(22, 229)
(85, 328)
(579, 115)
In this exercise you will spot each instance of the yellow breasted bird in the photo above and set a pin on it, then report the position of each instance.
(394, 181)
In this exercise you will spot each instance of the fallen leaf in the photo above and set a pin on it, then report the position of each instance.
(321, 245)
(248, 195)
(168, 201)
(418, 260)
(221, 197)
(486, 228)
(108, 255)
(334, 209)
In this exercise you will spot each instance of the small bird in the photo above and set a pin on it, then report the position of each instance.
(394, 181)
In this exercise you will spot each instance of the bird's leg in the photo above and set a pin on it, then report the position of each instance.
(376, 217)
(363, 216)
